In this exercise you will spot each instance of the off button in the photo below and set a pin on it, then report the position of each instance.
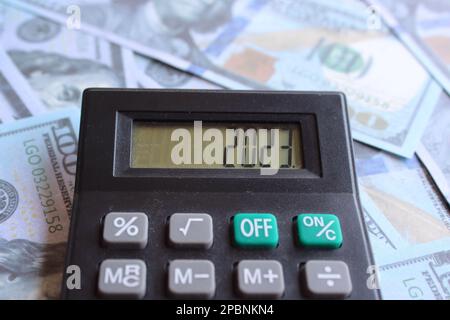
(255, 230)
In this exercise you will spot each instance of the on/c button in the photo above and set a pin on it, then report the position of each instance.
(257, 230)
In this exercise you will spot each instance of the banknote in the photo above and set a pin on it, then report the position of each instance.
(37, 177)
(405, 216)
(402, 193)
(418, 273)
(279, 44)
(424, 26)
(151, 73)
(17, 98)
(434, 149)
(59, 63)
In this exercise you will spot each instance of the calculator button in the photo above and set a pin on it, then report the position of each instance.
(194, 230)
(126, 229)
(260, 279)
(122, 278)
(326, 279)
(319, 230)
(192, 279)
(255, 230)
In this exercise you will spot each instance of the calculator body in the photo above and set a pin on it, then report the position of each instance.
(107, 183)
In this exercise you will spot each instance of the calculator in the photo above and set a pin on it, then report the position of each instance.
(191, 194)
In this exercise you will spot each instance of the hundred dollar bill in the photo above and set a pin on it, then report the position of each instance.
(17, 99)
(152, 73)
(37, 177)
(58, 62)
(401, 199)
(418, 273)
(280, 44)
(404, 216)
(434, 150)
(424, 26)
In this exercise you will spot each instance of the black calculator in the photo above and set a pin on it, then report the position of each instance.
(191, 194)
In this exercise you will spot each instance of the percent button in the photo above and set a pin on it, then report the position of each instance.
(126, 230)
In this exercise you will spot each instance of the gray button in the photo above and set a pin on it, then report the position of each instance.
(126, 229)
(194, 230)
(260, 279)
(192, 279)
(122, 278)
(326, 279)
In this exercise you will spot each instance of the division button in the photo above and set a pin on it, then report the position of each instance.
(126, 230)
(192, 279)
(260, 279)
(319, 231)
(191, 230)
(326, 279)
(255, 230)
(122, 278)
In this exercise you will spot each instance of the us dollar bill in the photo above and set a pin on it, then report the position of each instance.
(151, 73)
(280, 44)
(424, 26)
(58, 62)
(406, 218)
(420, 273)
(37, 178)
(434, 149)
(17, 99)
(401, 198)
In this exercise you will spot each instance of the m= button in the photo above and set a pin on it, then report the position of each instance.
(191, 230)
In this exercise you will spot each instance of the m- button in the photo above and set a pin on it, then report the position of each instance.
(260, 279)
(192, 279)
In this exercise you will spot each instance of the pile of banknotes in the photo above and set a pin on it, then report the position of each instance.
(390, 58)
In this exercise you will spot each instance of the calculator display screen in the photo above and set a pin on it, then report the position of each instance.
(207, 145)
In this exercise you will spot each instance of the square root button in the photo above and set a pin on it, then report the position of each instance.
(192, 279)
(326, 279)
(260, 279)
(125, 230)
(122, 278)
(191, 230)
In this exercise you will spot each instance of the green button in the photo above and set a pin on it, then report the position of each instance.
(319, 230)
(258, 230)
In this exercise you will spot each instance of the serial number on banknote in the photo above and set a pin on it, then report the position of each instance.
(43, 187)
